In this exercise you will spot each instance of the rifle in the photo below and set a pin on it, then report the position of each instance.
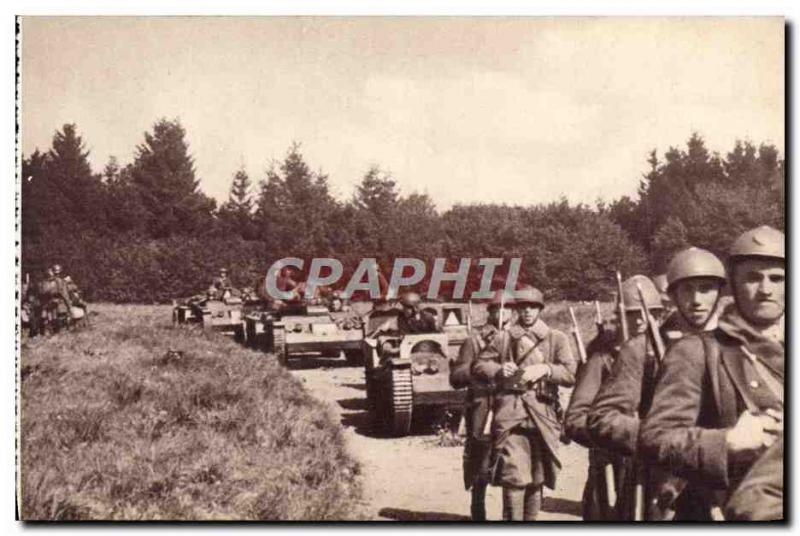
(487, 427)
(652, 326)
(598, 318)
(576, 332)
(658, 348)
(623, 320)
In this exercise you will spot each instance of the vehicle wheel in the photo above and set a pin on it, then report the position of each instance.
(400, 397)
(279, 346)
(355, 358)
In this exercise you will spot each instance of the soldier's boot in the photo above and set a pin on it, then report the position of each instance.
(533, 502)
(513, 503)
(478, 506)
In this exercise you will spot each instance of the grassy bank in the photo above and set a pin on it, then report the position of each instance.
(116, 427)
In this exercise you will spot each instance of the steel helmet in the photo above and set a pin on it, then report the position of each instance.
(497, 298)
(223, 270)
(56, 269)
(528, 296)
(410, 299)
(762, 241)
(630, 293)
(694, 262)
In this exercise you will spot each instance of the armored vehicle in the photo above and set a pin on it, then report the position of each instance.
(408, 370)
(225, 314)
(299, 328)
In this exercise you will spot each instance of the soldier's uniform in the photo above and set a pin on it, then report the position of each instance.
(760, 495)
(626, 396)
(706, 382)
(596, 504)
(477, 403)
(527, 425)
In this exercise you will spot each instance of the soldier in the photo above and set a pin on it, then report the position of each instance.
(220, 284)
(528, 363)
(611, 420)
(719, 399)
(411, 319)
(695, 278)
(477, 446)
(596, 502)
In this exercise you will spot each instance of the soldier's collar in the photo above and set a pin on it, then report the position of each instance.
(538, 329)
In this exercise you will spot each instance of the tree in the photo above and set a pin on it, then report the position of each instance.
(294, 207)
(236, 214)
(376, 203)
(163, 173)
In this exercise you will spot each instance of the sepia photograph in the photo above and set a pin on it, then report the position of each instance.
(438, 269)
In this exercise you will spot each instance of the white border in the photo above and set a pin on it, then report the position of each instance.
(316, 7)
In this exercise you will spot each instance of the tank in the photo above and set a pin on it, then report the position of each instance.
(224, 314)
(296, 329)
(404, 371)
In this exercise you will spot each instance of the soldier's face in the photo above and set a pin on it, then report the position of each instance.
(528, 314)
(696, 299)
(494, 315)
(759, 286)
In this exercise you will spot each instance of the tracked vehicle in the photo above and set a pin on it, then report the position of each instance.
(404, 371)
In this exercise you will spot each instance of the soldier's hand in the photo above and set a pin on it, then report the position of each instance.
(535, 372)
(509, 369)
(773, 425)
(747, 434)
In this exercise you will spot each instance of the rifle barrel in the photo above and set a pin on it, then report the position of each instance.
(623, 320)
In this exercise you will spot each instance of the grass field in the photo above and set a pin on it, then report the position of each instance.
(114, 426)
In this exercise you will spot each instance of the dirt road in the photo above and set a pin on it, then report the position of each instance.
(415, 478)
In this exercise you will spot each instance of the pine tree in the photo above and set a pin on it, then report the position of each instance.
(163, 173)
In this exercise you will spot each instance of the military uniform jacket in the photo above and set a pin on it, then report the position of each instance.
(591, 375)
(477, 403)
(705, 383)
(760, 495)
(537, 344)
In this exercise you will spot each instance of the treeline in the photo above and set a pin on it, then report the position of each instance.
(145, 232)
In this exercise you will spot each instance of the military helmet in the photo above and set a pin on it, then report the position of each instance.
(410, 299)
(694, 262)
(762, 241)
(630, 293)
(336, 295)
(223, 270)
(528, 296)
(56, 269)
(498, 298)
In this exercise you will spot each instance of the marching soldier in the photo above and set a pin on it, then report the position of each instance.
(718, 403)
(477, 405)
(612, 421)
(528, 363)
(598, 494)
(695, 278)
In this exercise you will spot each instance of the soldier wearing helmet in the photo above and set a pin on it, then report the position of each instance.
(695, 278)
(411, 319)
(601, 353)
(527, 363)
(477, 446)
(719, 402)
(220, 285)
(623, 399)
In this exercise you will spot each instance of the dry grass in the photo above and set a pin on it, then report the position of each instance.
(116, 427)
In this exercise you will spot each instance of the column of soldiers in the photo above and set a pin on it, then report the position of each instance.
(681, 407)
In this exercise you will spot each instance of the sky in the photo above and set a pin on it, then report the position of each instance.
(510, 110)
